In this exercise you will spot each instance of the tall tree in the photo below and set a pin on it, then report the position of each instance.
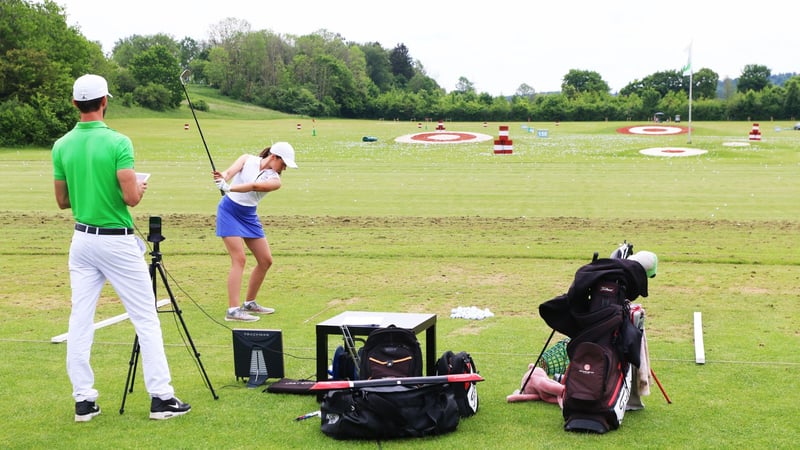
(335, 72)
(465, 86)
(771, 99)
(662, 82)
(40, 56)
(421, 82)
(524, 90)
(754, 77)
(158, 66)
(225, 30)
(401, 62)
(379, 69)
(704, 83)
(583, 81)
(728, 88)
(216, 71)
(791, 102)
(188, 50)
(126, 49)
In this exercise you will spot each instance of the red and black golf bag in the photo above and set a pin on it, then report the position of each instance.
(604, 343)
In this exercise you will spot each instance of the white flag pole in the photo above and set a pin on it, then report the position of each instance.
(691, 83)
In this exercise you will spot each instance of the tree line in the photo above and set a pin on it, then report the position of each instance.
(323, 75)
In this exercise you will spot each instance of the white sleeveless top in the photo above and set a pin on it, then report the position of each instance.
(251, 173)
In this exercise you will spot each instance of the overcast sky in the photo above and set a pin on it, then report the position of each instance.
(497, 45)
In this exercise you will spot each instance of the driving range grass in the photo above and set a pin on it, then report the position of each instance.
(383, 226)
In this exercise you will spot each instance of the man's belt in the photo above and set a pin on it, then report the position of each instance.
(103, 231)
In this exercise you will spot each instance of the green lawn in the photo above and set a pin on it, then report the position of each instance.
(385, 226)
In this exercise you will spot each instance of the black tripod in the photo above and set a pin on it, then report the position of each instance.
(155, 265)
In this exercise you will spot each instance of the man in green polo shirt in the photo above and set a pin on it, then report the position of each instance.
(94, 175)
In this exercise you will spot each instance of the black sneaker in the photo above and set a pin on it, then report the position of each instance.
(85, 410)
(167, 409)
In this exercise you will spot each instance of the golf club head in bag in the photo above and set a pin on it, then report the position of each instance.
(623, 251)
(648, 260)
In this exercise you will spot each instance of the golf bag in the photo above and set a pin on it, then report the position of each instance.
(343, 365)
(466, 394)
(604, 343)
(391, 352)
(346, 358)
(389, 412)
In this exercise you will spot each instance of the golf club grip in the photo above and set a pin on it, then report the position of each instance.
(213, 168)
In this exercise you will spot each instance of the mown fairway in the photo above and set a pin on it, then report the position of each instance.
(386, 226)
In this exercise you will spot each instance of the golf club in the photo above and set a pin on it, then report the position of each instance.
(666, 397)
(404, 381)
(191, 107)
(539, 358)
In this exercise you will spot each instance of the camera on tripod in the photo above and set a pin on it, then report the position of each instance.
(155, 230)
(157, 271)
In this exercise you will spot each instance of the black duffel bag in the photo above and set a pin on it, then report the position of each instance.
(389, 412)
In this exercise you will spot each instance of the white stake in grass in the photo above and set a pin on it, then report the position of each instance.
(699, 348)
(104, 323)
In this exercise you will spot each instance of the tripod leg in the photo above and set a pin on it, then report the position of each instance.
(131, 373)
(178, 312)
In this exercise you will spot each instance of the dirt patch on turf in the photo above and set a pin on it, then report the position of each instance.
(716, 241)
(32, 223)
(340, 302)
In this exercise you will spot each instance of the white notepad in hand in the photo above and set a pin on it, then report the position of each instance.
(142, 176)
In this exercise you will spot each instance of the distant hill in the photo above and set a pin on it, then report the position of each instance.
(781, 78)
(219, 107)
(778, 79)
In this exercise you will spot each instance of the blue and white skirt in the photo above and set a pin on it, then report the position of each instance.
(234, 219)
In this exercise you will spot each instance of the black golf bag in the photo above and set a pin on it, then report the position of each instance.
(604, 343)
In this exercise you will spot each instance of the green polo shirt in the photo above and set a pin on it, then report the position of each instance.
(88, 158)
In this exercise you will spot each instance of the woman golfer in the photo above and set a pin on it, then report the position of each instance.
(251, 178)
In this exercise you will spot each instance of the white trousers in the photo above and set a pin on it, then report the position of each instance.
(93, 259)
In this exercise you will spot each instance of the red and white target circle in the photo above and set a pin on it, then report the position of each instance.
(443, 137)
(657, 130)
(672, 151)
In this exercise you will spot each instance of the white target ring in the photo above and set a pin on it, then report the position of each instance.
(443, 137)
(655, 130)
(672, 151)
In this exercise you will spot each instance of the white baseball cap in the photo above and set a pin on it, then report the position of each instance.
(648, 260)
(89, 87)
(285, 151)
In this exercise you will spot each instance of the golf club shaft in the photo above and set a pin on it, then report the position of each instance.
(191, 107)
(434, 379)
(528, 378)
(666, 397)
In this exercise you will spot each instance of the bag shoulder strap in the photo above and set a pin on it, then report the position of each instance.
(443, 364)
